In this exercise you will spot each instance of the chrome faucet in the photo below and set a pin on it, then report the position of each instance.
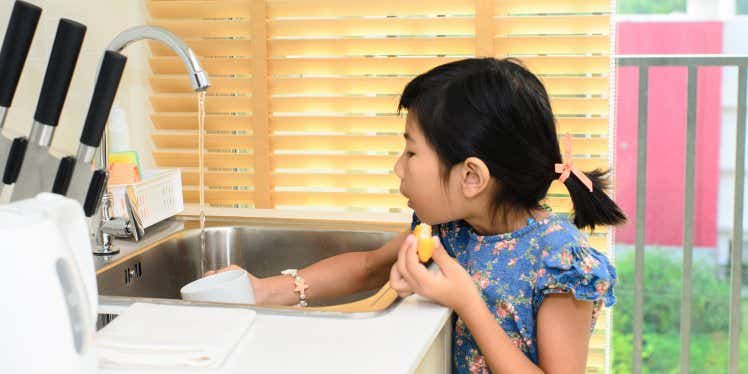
(131, 226)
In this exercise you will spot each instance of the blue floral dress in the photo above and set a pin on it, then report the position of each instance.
(515, 271)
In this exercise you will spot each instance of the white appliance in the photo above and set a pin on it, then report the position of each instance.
(47, 287)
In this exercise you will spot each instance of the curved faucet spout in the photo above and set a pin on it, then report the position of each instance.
(198, 77)
(199, 81)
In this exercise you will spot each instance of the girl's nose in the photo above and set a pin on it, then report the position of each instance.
(399, 166)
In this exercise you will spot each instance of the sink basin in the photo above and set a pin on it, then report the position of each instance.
(158, 271)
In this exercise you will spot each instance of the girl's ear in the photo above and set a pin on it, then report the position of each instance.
(474, 177)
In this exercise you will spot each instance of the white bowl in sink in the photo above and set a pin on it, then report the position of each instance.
(231, 286)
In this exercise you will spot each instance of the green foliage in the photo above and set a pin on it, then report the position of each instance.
(662, 296)
(651, 7)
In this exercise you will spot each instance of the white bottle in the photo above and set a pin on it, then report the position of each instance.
(119, 132)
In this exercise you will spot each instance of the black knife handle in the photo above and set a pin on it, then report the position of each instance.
(62, 60)
(95, 192)
(15, 160)
(64, 175)
(112, 65)
(16, 45)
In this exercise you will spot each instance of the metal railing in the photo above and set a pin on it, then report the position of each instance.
(692, 63)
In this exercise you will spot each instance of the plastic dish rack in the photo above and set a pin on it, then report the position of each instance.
(159, 196)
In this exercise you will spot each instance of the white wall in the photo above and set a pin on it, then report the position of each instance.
(735, 29)
(104, 19)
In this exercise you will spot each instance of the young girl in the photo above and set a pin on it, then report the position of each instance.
(481, 152)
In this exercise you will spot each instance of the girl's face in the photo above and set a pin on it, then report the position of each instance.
(421, 181)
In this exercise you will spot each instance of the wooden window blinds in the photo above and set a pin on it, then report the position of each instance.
(301, 112)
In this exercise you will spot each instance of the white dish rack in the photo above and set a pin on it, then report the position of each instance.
(159, 196)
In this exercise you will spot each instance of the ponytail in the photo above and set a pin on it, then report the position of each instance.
(593, 208)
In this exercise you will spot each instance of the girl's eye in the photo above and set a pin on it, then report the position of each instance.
(409, 154)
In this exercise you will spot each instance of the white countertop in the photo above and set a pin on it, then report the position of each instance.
(393, 342)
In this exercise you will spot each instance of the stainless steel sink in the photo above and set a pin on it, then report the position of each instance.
(160, 270)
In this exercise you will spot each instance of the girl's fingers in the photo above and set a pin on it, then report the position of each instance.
(401, 263)
(415, 268)
(440, 256)
(397, 282)
(221, 270)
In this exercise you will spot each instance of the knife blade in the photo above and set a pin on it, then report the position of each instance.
(40, 167)
(16, 44)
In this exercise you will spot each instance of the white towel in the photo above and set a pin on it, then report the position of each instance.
(171, 336)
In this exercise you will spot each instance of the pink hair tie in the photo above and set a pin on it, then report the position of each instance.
(567, 168)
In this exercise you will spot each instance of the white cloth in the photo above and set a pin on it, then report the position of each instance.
(169, 336)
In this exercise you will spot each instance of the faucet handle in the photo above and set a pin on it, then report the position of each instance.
(135, 223)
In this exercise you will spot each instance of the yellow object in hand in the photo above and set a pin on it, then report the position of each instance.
(425, 242)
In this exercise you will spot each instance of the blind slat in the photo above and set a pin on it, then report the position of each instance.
(201, 28)
(347, 8)
(218, 85)
(218, 197)
(406, 46)
(338, 85)
(216, 160)
(547, 25)
(334, 162)
(577, 85)
(284, 28)
(189, 140)
(213, 122)
(213, 104)
(326, 180)
(383, 143)
(345, 124)
(591, 126)
(565, 65)
(214, 66)
(355, 65)
(217, 178)
(207, 47)
(516, 7)
(197, 8)
(339, 199)
(550, 45)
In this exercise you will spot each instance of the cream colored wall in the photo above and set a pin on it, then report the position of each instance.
(104, 19)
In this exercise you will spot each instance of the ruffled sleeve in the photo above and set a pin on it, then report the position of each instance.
(580, 270)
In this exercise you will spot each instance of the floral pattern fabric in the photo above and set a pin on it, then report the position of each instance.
(515, 271)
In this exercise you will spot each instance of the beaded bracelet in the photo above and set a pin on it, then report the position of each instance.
(300, 283)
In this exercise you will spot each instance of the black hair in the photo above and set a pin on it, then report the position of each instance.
(498, 111)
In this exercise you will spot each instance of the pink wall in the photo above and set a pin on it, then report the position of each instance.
(667, 132)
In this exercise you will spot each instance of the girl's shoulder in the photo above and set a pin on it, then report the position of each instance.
(557, 231)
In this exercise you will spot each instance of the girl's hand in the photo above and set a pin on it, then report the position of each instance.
(231, 267)
(450, 286)
(398, 282)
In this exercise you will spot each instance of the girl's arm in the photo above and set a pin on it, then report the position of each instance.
(332, 277)
(563, 322)
(563, 325)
